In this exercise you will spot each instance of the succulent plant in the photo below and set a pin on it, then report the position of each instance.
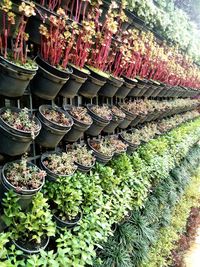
(57, 117)
(102, 111)
(82, 155)
(80, 114)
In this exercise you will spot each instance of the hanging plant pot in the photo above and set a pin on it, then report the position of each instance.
(49, 80)
(100, 157)
(99, 122)
(13, 140)
(29, 247)
(131, 146)
(151, 89)
(139, 89)
(26, 192)
(110, 88)
(14, 79)
(126, 88)
(128, 119)
(67, 224)
(76, 80)
(117, 117)
(93, 84)
(83, 158)
(55, 124)
(82, 121)
(47, 163)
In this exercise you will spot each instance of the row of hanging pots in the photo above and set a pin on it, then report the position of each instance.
(47, 82)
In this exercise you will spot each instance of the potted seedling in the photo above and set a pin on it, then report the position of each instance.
(117, 117)
(30, 230)
(16, 69)
(55, 124)
(132, 139)
(79, 55)
(18, 129)
(65, 198)
(119, 146)
(56, 43)
(97, 61)
(24, 178)
(58, 165)
(101, 116)
(102, 150)
(83, 157)
(82, 121)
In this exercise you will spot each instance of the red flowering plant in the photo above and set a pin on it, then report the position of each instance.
(77, 8)
(50, 4)
(102, 44)
(57, 40)
(18, 52)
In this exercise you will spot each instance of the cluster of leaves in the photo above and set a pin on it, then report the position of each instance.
(108, 194)
(57, 116)
(140, 241)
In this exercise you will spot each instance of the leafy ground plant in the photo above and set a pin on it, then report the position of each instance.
(65, 197)
(29, 229)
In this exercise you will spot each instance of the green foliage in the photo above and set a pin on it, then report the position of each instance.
(32, 224)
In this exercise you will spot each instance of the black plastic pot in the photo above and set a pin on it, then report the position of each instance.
(83, 168)
(101, 158)
(25, 196)
(128, 119)
(14, 79)
(131, 147)
(64, 224)
(125, 89)
(110, 88)
(51, 132)
(15, 142)
(93, 84)
(49, 80)
(77, 130)
(51, 176)
(98, 123)
(33, 250)
(115, 121)
(138, 119)
(76, 80)
(91, 87)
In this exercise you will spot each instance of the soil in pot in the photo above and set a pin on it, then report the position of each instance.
(94, 82)
(76, 80)
(110, 88)
(24, 178)
(58, 165)
(82, 121)
(102, 149)
(101, 116)
(31, 247)
(49, 80)
(15, 78)
(117, 117)
(83, 157)
(55, 124)
(17, 130)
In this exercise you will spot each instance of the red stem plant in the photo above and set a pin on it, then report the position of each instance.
(104, 33)
(57, 40)
(19, 49)
(77, 9)
(50, 4)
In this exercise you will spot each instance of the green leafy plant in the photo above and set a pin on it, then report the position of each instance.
(30, 227)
